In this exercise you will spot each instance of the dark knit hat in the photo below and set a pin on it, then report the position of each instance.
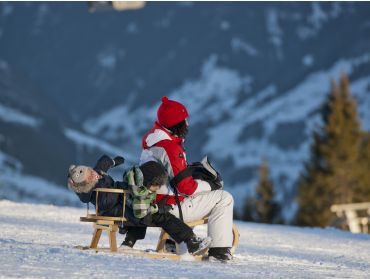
(171, 112)
(153, 173)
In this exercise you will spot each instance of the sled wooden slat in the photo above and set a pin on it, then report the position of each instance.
(198, 223)
(95, 217)
(103, 222)
(111, 190)
(104, 227)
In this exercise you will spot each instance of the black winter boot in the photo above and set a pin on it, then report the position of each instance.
(220, 253)
(128, 242)
(196, 244)
(170, 246)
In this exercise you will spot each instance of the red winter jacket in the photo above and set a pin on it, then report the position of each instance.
(159, 144)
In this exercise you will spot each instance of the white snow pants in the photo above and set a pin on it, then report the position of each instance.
(218, 207)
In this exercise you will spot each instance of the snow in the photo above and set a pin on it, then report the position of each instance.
(106, 62)
(308, 60)
(206, 95)
(132, 28)
(16, 185)
(11, 115)
(210, 89)
(29, 188)
(8, 163)
(92, 142)
(274, 30)
(37, 241)
(43, 12)
(239, 45)
(3, 64)
(317, 18)
(225, 25)
(108, 58)
(120, 122)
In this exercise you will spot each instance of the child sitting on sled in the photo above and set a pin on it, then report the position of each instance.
(143, 182)
(84, 179)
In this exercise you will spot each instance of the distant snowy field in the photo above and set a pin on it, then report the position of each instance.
(36, 241)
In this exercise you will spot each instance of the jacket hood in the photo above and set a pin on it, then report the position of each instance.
(81, 187)
(135, 177)
(157, 134)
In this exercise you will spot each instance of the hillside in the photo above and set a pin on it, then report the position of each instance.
(37, 242)
(253, 75)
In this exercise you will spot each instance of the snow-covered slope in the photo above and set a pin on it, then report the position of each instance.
(37, 241)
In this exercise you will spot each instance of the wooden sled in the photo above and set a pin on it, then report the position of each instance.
(146, 253)
(111, 224)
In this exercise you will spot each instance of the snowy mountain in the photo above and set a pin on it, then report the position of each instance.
(37, 242)
(252, 75)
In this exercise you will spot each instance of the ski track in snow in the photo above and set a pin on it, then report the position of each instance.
(37, 241)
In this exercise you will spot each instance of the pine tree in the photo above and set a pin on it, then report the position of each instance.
(265, 206)
(331, 175)
(249, 211)
(363, 193)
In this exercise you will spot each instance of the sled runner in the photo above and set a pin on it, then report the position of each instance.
(111, 225)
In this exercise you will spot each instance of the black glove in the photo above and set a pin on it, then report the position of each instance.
(163, 207)
(118, 160)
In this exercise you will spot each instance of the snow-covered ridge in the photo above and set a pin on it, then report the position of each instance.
(318, 17)
(29, 188)
(214, 95)
(239, 45)
(292, 106)
(11, 115)
(37, 241)
(203, 97)
(92, 142)
(18, 186)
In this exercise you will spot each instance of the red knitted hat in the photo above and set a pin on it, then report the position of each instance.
(171, 112)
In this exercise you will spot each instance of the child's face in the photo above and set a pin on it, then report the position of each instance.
(154, 188)
(82, 178)
(93, 176)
